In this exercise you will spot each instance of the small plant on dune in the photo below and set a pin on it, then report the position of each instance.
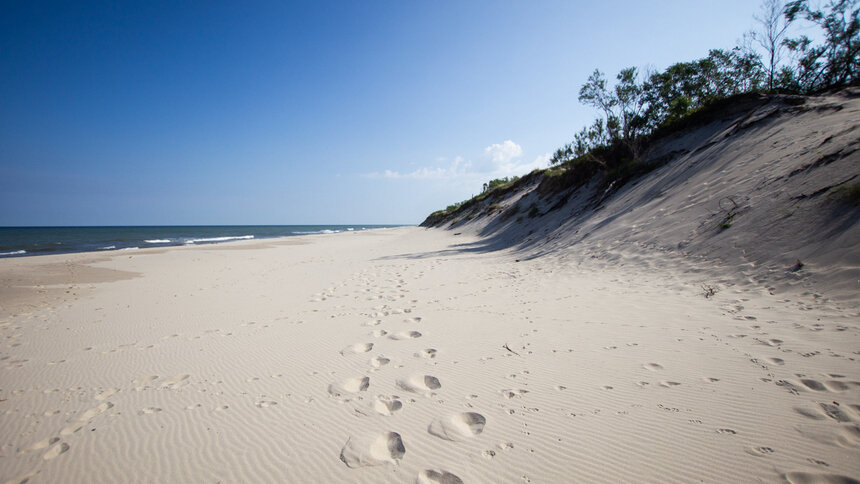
(848, 193)
(729, 206)
(709, 290)
(511, 211)
(533, 211)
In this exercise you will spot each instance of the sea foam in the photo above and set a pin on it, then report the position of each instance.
(218, 239)
(14, 252)
(324, 231)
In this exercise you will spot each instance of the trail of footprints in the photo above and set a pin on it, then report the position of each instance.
(54, 446)
(386, 446)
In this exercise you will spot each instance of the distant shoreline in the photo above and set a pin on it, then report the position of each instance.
(35, 241)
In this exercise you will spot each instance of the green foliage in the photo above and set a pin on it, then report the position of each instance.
(499, 183)
(849, 193)
(709, 290)
(533, 211)
(836, 62)
(622, 107)
(511, 211)
(772, 30)
(623, 171)
(687, 86)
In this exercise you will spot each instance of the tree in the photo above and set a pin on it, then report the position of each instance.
(594, 93)
(835, 63)
(770, 35)
(622, 107)
(685, 86)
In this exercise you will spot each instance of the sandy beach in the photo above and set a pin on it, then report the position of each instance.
(416, 355)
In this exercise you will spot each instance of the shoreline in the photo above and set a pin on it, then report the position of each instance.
(405, 354)
(108, 239)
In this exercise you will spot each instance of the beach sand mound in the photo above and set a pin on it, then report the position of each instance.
(759, 191)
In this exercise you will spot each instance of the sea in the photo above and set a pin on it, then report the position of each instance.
(32, 241)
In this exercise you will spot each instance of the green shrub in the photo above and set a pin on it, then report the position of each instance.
(849, 193)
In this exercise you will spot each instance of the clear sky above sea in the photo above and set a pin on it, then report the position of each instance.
(151, 113)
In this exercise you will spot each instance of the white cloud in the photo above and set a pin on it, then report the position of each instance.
(456, 169)
(503, 153)
(499, 160)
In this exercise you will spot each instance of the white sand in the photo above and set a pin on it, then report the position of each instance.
(412, 355)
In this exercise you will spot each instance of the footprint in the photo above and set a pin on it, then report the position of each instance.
(759, 451)
(432, 476)
(91, 413)
(458, 427)
(513, 393)
(847, 436)
(815, 478)
(836, 386)
(775, 361)
(387, 405)
(811, 414)
(106, 394)
(401, 335)
(379, 361)
(42, 444)
(71, 429)
(668, 384)
(349, 386)
(429, 353)
(176, 382)
(56, 450)
(813, 385)
(419, 384)
(140, 382)
(652, 366)
(357, 348)
(373, 450)
(726, 431)
(149, 411)
(265, 403)
(378, 333)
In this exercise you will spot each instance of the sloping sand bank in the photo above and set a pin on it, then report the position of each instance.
(406, 355)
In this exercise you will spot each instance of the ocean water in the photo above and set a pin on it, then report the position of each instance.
(29, 241)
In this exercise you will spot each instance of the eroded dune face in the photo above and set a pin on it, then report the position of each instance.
(757, 191)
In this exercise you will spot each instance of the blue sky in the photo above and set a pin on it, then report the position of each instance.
(148, 113)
